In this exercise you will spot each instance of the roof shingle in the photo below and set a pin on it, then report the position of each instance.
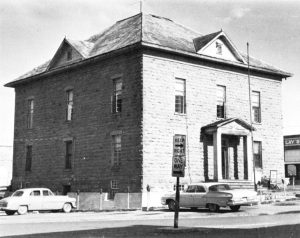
(150, 29)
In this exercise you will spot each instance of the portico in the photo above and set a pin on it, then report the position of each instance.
(230, 145)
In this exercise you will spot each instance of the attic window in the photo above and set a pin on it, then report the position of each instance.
(69, 55)
(219, 48)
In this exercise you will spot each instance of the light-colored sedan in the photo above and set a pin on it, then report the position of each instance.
(211, 196)
(36, 199)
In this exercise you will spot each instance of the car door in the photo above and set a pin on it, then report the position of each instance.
(186, 198)
(199, 199)
(49, 201)
(35, 200)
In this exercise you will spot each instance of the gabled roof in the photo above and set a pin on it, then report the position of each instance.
(201, 43)
(151, 31)
(215, 125)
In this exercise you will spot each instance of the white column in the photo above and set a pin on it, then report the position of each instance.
(217, 155)
(249, 158)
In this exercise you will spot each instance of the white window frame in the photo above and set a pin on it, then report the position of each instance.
(221, 101)
(180, 96)
(70, 104)
(30, 104)
(117, 101)
(116, 147)
(256, 106)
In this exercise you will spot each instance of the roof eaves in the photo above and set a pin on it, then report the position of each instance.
(215, 60)
(71, 65)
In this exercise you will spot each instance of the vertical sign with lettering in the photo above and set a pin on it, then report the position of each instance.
(178, 165)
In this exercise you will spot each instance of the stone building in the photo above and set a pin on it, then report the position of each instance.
(103, 113)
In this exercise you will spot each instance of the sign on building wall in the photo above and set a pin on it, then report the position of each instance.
(178, 163)
(292, 141)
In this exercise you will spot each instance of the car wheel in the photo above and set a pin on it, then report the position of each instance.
(9, 213)
(235, 208)
(172, 205)
(67, 207)
(213, 207)
(22, 210)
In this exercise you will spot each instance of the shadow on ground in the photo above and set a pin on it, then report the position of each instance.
(291, 231)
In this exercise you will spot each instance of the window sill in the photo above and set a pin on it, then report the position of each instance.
(67, 170)
(256, 123)
(180, 114)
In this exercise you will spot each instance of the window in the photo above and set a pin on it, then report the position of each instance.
(69, 112)
(117, 96)
(113, 188)
(221, 101)
(256, 115)
(30, 113)
(35, 193)
(17, 194)
(69, 154)
(47, 193)
(116, 149)
(28, 158)
(257, 154)
(69, 55)
(218, 48)
(180, 105)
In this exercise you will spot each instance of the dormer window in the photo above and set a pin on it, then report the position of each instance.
(69, 55)
(218, 48)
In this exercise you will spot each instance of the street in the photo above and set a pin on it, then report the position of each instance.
(280, 220)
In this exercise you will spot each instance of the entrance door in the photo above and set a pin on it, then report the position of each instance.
(225, 162)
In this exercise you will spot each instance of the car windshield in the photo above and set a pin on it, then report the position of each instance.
(18, 194)
(219, 187)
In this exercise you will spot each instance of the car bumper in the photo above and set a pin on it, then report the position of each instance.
(242, 202)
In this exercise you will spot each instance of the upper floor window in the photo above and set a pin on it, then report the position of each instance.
(221, 101)
(69, 111)
(256, 110)
(30, 113)
(117, 96)
(218, 48)
(28, 158)
(116, 149)
(69, 154)
(257, 154)
(180, 97)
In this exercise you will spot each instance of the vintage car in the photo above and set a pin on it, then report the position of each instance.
(211, 196)
(36, 199)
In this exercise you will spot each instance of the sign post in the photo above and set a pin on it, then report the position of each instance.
(178, 167)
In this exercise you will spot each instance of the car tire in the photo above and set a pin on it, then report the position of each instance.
(213, 207)
(172, 205)
(9, 213)
(235, 208)
(67, 208)
(22, 210)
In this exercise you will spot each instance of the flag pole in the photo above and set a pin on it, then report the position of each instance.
(251, 123)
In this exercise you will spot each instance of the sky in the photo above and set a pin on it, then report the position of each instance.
(32, 30)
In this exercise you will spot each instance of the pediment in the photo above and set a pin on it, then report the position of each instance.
(229, 126)
(218, 45)
(66, 54)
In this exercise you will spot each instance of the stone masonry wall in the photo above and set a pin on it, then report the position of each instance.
(90, 129)
(161, 123)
